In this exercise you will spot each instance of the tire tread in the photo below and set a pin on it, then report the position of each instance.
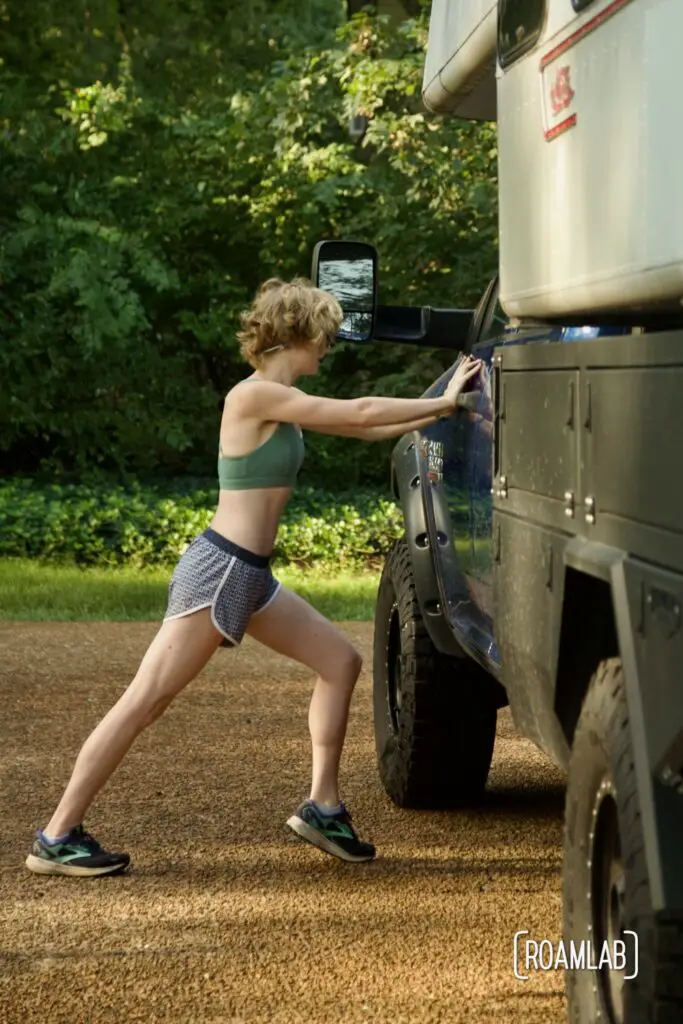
(438, 761)
(656, 996)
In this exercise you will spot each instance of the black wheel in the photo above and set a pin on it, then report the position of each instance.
(435, 716)
(606, 889)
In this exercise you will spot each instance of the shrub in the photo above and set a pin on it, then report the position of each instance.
(142, 524)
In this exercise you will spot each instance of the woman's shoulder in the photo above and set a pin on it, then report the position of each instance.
(258, 380)
(241, 400)
(238, 387)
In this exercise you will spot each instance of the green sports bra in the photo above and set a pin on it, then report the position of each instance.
(275, 463)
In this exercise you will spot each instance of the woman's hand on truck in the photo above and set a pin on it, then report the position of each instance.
(466, 370)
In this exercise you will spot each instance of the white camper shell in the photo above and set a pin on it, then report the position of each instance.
(590, 145)
(460, 70)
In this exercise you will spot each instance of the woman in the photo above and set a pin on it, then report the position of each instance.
(223, 586)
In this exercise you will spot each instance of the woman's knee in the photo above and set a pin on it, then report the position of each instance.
(154, 709)
(348, 665)
(357, 662)
(144, 701)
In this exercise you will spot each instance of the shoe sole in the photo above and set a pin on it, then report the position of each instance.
(304, 831)
(44, 867)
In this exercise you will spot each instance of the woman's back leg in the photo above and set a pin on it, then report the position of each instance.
(177, 654)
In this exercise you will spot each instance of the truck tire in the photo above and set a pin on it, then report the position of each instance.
(435, 717)
(606, 888)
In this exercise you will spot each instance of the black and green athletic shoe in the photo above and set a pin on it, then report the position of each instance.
(333, 833)
(78, 854)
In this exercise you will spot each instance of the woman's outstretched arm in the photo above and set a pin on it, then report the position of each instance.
(266, 400)
(377, 433)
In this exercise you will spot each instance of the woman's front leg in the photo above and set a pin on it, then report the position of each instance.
(328, 716)
(290, 626)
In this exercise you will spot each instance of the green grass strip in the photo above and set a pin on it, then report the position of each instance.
(45, 592)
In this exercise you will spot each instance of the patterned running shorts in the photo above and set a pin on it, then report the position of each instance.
(215, 573)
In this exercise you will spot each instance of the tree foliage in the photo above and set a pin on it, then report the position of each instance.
(157, 162)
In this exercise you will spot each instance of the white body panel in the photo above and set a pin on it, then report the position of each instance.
(460, 70)
(593, 220)
(590, 145)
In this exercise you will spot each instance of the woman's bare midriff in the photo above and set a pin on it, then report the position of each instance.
(250, 518)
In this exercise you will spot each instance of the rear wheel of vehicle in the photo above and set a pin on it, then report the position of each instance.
(435, 716)
(606, 889)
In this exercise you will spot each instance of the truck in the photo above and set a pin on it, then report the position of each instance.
(542, 561)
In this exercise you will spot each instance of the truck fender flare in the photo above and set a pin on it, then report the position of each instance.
(407, 486)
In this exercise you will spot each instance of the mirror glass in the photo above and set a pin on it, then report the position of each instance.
(351, 281)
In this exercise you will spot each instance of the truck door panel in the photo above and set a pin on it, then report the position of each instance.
(445, 459)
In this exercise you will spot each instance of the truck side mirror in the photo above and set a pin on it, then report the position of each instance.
(348, 270)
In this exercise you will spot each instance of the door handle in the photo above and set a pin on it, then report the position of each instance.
(570, 406)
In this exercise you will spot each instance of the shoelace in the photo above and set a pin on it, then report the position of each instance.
(85, 837)
(346, 817)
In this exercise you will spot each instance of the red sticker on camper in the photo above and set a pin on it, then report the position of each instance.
(558, 91)
(561, 92)
(558, 98)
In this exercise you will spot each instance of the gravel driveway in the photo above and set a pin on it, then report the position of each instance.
(225, 916)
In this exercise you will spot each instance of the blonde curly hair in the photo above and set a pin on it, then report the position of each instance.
(288, 314)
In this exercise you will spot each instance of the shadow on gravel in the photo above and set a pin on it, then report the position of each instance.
(306, 877)
(528, 801)
(536, 802)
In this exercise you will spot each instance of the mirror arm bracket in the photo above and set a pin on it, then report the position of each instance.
(424, 326)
